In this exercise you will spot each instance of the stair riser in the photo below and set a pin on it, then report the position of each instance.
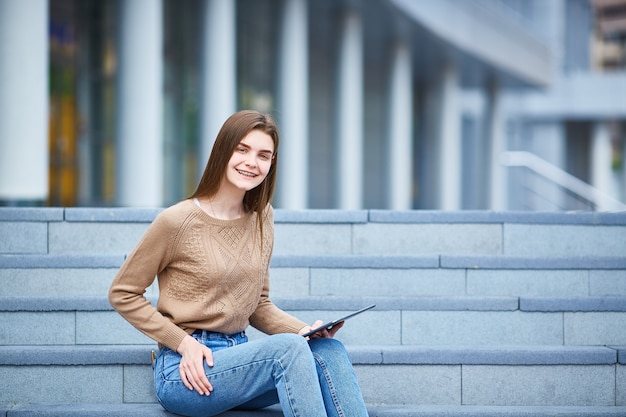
(358, 282)
(375, 327)
(61, 282)
(77, 384)
(363, 282)
(591, 385)
(155, 410)
(336, 239)
(491, 385)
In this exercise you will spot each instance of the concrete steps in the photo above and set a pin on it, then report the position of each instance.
(428, 321)
(155, 410)
(478, 313)
(357, 275)
(335, 232)
(418, 375)
(80, 339)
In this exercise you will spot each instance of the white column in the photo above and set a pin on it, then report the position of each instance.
(24, 101)
(350, 114)
(219, 72)
(140, 103)
(294, 104)
(494, 130)
(401, 129)
(601, 156)
(450, 140)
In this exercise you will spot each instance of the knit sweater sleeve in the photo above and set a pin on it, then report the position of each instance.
(138, 272)
(270, 319)
(267, 317)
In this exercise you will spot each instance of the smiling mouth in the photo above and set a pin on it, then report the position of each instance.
(246, 173)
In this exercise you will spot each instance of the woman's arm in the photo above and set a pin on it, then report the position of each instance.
(127, 291)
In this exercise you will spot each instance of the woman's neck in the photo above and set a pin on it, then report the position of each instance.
(223, 206)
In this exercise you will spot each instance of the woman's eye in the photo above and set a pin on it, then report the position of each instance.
(241, 149)
(264, 157)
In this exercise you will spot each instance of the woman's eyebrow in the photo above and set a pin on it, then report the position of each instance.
(245, 145)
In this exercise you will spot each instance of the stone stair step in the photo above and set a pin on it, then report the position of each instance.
(462, 320)
(57, 275)
(89, 260)
(488, 355)
(330, 232)
(479, 376)
(155, 410)
(27, 355)
(480, 313)
(358, 275)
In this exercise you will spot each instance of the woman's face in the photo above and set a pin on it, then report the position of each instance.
(251, 161)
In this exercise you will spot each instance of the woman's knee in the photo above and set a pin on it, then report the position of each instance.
(326, 346)
(330, 351)
(288, 339)
(290, 343)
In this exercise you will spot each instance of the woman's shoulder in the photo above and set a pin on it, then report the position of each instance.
(177, 214)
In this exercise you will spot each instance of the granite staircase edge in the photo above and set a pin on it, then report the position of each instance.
(388, 410)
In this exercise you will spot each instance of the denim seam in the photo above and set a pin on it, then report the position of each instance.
(294, 412)
(221, 373)
(331, 386)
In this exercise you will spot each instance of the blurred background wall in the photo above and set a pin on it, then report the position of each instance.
(390, 104)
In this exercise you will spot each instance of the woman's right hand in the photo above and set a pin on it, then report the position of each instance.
(191, 365)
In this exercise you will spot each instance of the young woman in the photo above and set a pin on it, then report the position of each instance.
(211, 255)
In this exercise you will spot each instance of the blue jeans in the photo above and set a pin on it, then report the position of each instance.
(313, 379)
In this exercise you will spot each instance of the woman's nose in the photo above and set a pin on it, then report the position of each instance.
(251, 161)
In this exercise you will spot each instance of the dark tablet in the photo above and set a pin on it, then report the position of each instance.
(330, 325)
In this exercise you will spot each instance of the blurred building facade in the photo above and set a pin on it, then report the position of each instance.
(391, 104)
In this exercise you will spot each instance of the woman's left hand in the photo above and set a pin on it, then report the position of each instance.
(322, 333)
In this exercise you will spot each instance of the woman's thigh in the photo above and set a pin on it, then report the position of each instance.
(244, 373)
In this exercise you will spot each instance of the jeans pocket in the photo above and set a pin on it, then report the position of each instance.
(167, 365)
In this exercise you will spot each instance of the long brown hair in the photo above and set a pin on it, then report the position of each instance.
(234, 129)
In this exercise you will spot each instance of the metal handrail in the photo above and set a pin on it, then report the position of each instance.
(563, 179)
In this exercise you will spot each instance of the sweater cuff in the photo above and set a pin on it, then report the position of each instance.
(173, 337)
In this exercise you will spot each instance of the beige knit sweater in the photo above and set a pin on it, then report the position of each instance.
(211, 273)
